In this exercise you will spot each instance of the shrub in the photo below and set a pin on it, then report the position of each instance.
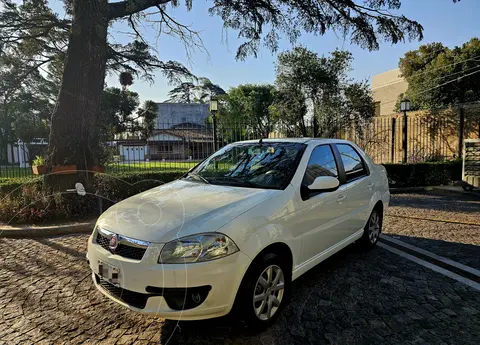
(424, 174)
(39, 160)
(12, 185)
(24, 200)
(33, 204)
(119, 186)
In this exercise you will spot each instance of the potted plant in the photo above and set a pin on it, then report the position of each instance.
(96, 168)
(38, 166)
(64, 169)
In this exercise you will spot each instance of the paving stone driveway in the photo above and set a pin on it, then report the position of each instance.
(46, 296)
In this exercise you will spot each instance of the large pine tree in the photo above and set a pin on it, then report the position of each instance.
(34, 31)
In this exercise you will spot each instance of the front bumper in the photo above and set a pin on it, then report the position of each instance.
(147, 283)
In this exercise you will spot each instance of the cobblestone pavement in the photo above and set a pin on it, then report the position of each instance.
(459, 242)
(46, 296)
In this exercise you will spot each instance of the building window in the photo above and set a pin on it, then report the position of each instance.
(164, 147)
(376, 109)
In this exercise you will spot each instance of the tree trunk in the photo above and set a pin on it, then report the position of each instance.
(73, 135)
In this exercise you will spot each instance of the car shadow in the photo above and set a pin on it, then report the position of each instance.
(230, 327)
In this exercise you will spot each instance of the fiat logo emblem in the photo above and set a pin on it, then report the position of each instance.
(113, 244)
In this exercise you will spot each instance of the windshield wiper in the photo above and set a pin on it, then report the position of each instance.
(237, 181)
(198, 177)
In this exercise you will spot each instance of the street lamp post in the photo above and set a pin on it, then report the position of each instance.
(213, 110)
(405, 106)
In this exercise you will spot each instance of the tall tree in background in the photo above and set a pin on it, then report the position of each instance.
(189, 92)
(304, 70)
(249, 105)
(207, 90)
(26, 102)
(33, 30)
(334, 101)
(121, 114)
(290, 112)
(439, 76)
(183, 93)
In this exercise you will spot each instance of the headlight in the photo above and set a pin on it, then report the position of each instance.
(197, 248)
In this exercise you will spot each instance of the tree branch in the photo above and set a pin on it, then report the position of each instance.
(129, 7)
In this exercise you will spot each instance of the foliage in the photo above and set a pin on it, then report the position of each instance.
(290, 111)
(439, 77)
(364, 23)
(117, 108)
(125, 79)
(118, 186)
(41, 36)
(423, 174)
(118, 113)
(182, 93)
(39, 160)
(25, 103)
(188, 92)
(250, 103)
(335, 101)
(27, 201)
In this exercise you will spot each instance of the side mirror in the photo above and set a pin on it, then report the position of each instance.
(324, 183)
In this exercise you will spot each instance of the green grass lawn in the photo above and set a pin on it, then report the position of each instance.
(16, 171)
(156, 165)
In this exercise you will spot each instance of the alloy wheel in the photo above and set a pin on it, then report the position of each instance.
(374, 227)
(269, 292)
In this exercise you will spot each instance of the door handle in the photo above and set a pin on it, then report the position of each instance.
(341, 198)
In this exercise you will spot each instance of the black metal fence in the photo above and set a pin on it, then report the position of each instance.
(386, 139)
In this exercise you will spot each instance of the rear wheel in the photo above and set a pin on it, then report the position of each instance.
(264, 291)
(372, 230)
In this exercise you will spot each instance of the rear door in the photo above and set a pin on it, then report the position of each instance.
(358, 185)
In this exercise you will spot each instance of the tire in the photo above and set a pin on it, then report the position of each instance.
(372, 230)
(467, 187)
(256, 314)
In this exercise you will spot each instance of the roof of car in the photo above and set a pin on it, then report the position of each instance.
(295, 140)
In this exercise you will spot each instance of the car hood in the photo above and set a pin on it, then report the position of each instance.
(179, 209)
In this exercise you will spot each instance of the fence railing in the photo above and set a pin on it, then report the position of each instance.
(386, 139)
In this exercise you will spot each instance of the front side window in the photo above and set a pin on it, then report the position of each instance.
(353, 163)
(257, 165)
(321, 163)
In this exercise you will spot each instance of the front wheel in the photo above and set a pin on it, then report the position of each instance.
(372, 230)
(264, 292)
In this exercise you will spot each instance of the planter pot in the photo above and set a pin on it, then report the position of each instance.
(96, 168)
(39, 169)
(64, 169)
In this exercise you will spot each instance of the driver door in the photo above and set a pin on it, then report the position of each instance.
(322, 214)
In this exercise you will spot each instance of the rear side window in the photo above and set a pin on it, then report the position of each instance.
(353, 163)
(321, 163)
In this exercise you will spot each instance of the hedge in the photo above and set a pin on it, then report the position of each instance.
(23, 200)
(424, 174)
(116, 187)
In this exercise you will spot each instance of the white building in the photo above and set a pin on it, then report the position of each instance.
(181, 133)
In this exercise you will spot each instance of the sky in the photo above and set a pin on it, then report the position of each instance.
(443, 21)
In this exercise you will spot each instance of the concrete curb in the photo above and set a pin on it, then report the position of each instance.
(445, 189)
(46, 231)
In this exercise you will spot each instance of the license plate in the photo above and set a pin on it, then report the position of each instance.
(109, 273)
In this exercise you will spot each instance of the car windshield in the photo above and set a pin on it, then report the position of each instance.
(258, 165)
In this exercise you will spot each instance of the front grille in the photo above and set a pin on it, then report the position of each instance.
(135, 299)
(124, 250)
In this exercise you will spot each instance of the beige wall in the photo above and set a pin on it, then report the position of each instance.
(386, 87)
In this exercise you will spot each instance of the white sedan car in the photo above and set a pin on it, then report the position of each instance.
(233, 233)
